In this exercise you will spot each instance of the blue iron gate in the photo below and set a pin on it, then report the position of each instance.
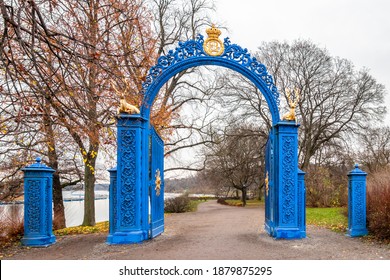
(156, 183)
(140, 178)
(269, 183)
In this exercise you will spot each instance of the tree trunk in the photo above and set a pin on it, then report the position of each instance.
(243, 192)
(59, 221)
(260, 192)
(89, 191)
(59, 211)
(93, 98)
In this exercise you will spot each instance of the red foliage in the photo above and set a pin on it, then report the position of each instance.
(378, 204)
(11, 226)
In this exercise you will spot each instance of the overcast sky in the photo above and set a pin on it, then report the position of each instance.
(353, 29)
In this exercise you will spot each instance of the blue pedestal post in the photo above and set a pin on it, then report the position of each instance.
(357, 225)
(127, 223)
(38, 208)
(289, 195)
(302, 203)
(113, 201)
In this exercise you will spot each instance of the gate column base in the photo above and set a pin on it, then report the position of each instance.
(38, 241)
(136, 236)
(285, 233)
(289, 233)
(356, 232)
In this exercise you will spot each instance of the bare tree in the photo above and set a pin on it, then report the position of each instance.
(174, 21)
(375, 151)
(336, 100)
(64, 55)
(237, 161)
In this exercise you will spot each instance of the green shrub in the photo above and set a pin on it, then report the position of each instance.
(378, 204)
(222, 201)
(178, 204)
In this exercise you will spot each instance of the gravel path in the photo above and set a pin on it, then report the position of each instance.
(213, 232)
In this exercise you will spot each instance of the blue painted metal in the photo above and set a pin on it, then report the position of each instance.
(129, 214)
(301, 203)
(286, 196)
(270, 192)
(38, 217)
(191, 54)
(156, 195)
(113, 197)
(357, 224)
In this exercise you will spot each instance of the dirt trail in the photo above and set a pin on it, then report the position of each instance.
(213, 232)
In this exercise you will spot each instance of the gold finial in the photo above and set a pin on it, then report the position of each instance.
(158, 182)
(213, 45)
(290, 116)
(266, 184)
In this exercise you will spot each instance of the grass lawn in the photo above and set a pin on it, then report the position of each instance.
(332, 218)
(193, 206)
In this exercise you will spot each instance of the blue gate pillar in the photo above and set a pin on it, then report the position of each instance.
(38, 208)
(127, 223)
(289, 195)
(357, 203)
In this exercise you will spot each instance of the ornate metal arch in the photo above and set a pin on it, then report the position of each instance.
(192, 53)
(136, 206)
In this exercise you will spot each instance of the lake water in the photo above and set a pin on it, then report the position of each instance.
(74, 207)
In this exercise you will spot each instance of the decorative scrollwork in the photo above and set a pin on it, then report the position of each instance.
(359, 205)
(193, 49)
(128, 178)
(289, 167)
(34, 217)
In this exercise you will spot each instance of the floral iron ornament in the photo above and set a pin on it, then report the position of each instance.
(213, 45)
(193, 51)
(158, 182)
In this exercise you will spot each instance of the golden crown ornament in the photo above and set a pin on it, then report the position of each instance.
(213, 46)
